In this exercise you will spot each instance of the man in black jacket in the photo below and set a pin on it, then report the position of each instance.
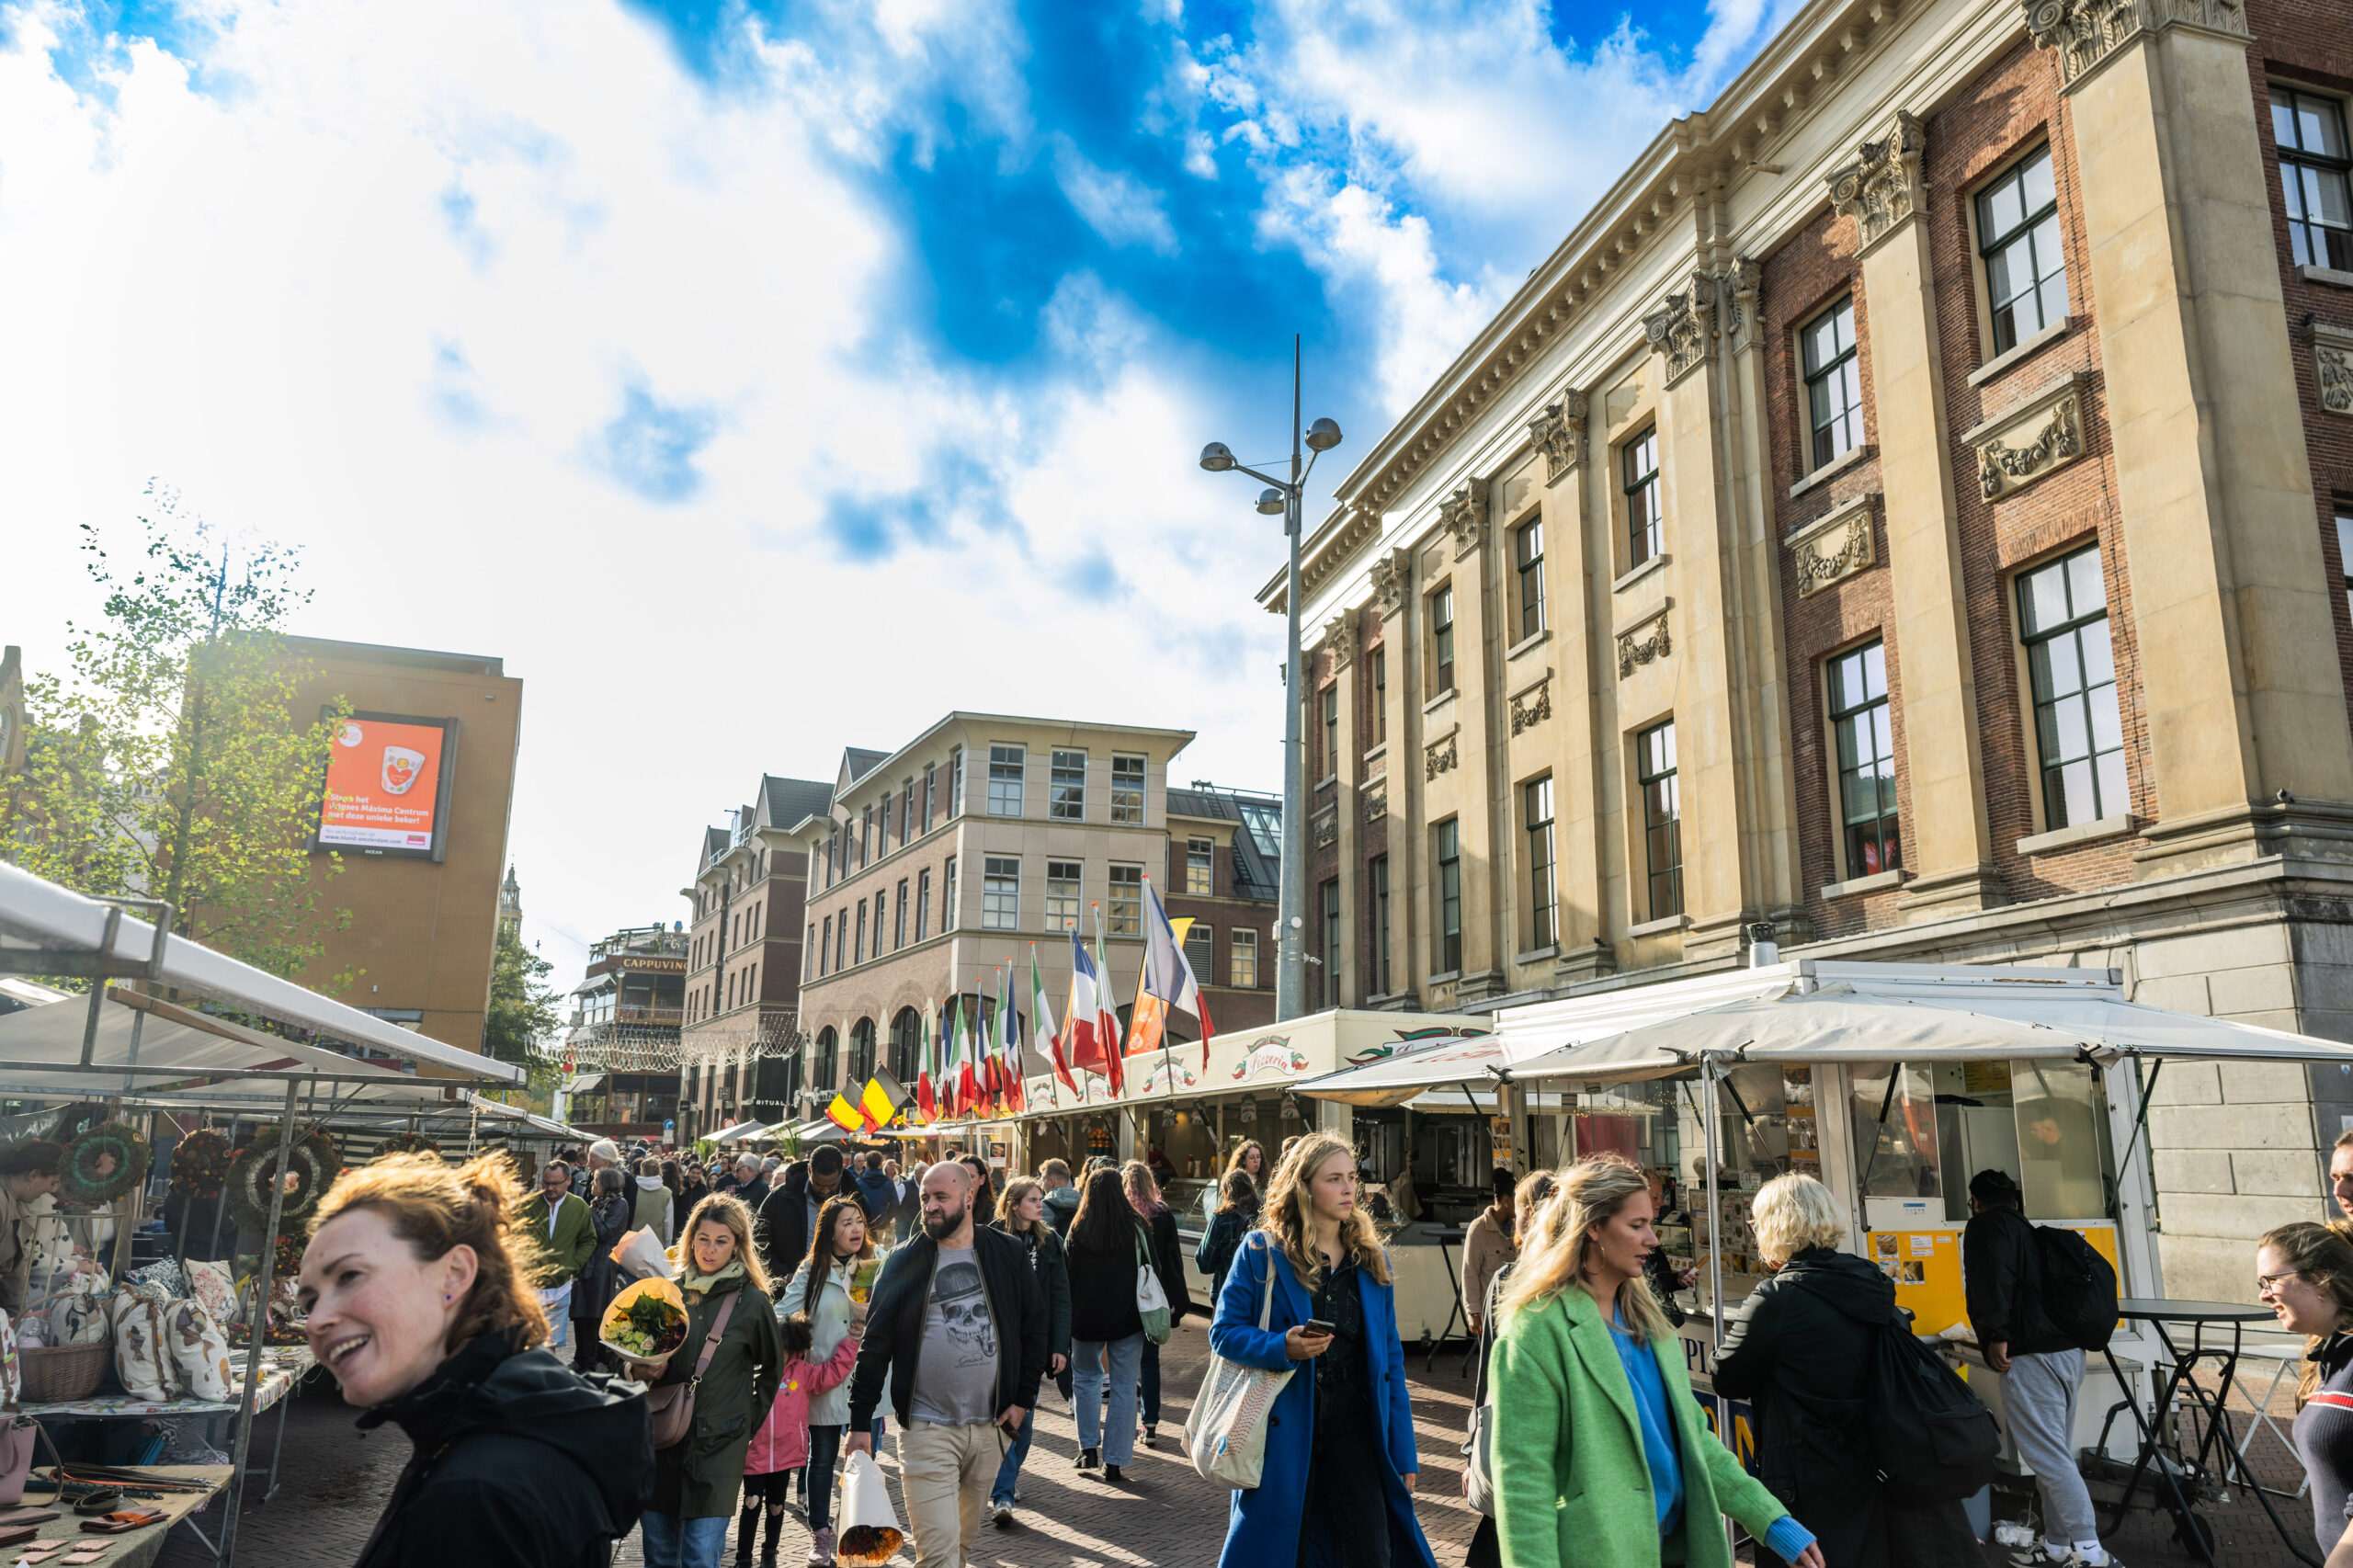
(2041, 1369)
(788, 1213)
(957, 1328)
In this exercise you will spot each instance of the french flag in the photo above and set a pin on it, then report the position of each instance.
(1094, 1046)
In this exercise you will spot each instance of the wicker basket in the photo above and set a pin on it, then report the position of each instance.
(64, 1372)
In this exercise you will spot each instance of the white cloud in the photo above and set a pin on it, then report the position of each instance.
(1116, 204)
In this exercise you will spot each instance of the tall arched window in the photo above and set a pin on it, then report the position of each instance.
(821, 1076)
(907, 1047)
(862, 1054)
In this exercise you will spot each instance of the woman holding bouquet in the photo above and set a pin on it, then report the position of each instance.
(696, 1480)
(825, 1287)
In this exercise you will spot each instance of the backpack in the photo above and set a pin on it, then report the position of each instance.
(2079, 1287)
(1931, 1439)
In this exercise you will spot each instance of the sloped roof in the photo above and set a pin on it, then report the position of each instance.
(858, 762)
(788, 803)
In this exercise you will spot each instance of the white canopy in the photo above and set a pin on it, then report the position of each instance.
(742, 1132)
(40, 1054)
(41, 916)
(1446, 1061)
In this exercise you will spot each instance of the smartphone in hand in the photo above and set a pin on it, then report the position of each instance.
(1317, 1325)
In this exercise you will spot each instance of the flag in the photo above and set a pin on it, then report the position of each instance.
(1087, 1048)
(846, 1116)
(1107, 1015)
(926, 1102)
(992, 1069)
(1012, 1039)
(882, 1101)
(968, 1085)
(1042, 1023)
(1167, 984)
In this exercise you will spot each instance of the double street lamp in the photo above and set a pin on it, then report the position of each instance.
(1282, 498)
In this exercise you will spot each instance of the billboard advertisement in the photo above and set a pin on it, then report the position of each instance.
(387, 785)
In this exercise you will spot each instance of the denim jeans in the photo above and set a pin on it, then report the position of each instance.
(560, 1330)
(672, 1542)
(1008, 1474)
(1115, 1432)
(825, 1455)
(1151, 1383)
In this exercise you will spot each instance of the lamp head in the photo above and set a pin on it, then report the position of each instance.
(1270, 501)
(1217, 457)
(1322, 436)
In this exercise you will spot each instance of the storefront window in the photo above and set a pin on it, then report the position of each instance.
(1895, 1131)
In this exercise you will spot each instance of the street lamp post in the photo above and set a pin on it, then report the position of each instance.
(1283, 498)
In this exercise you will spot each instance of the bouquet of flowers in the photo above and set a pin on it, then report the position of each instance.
(646, 1322)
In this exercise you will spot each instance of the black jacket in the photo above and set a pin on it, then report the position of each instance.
(600, 1278)
(893, 1340)
(2002, 1276)
(520, 1461)
(1168, 1262)
(1103, 1288)
(783, 1228)
(1799, 1351)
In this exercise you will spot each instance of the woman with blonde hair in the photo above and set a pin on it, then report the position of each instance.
(1337, 1488)
(1535, 1189)
(1584, 1347)
(2304, 1272)
(1021, 1214)
(696, 1479)
(416, 1286)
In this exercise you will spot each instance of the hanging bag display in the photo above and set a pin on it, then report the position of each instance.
(1152, 1302)
(1225, 1436)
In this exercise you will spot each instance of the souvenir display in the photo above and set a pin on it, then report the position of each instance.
(142, 1360)
(311, 1169)
(200, 1165)
(104, 1163)
(200, 1351)
(405, 1143)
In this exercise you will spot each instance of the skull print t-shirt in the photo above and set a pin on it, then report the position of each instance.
(956, 1373)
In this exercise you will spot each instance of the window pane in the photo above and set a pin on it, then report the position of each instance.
(1999, 211)
(2035, 177)
(1005, 781)
(2283, 116)
(1126, 913)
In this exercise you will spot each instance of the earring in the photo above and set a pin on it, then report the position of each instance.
(446, 1297)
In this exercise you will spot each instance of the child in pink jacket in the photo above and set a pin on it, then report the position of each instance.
(781, 1445)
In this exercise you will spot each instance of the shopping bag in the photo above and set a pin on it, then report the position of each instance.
(1225, 1436)
(1152, 1302)
(868, 1526)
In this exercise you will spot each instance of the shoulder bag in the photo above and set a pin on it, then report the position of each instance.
(1478, 1465)
(1225, 1436)
(1152, 1302)
(674, 1407)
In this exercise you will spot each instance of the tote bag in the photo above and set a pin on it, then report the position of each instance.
(1152, 1302)
(1226, 1435)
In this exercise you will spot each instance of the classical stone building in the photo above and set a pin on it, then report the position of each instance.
(1909, 511)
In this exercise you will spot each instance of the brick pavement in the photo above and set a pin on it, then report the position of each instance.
(1165, 1516)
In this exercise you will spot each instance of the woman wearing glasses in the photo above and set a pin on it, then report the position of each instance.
(2304, 1274)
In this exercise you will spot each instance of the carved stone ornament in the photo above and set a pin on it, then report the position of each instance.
(2087, 32)
(1376, 802)
(1834, 546)
(1392, 575)
(1328, 827)
(2038, 435)
(1680, 329)
(1438, 757)
(2333, 367)
(1464, 515)
(1742, 283)
(1340, 636)
(1881, 188)
(1532, 706)
(1647, 640)
(1560, 434)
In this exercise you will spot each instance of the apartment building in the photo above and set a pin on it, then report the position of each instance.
(1226, 876)
(1910, 511)
(743, 961)
(620, 1048)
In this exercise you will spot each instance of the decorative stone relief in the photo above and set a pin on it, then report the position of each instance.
(1464, 515)
(1560, 434)
(1881, 188)
(2087, 32)
(1438, 757)
(1340, 636)
(1328, 827)
(1391, 576)
(2333, 367)
(1533, 706)
(1376, 802)
(1742, 283)
(1647, 640)
(1834, 546)
(2035, 437)
(1680, 329)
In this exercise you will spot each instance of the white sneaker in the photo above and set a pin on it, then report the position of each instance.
(1000, 1514)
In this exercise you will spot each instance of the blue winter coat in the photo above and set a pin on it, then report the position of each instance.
(1264, 1525)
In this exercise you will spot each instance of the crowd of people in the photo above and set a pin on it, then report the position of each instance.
(822, 1293)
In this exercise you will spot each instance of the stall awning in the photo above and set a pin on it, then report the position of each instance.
(743, 1132)
(583, 1084)
(38, 915)
(183, 1056)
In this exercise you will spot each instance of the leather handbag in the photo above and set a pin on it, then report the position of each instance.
(673, 1407)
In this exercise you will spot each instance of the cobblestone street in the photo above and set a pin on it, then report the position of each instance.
(1165, 1516)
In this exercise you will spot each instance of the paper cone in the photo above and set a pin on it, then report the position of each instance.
(618, 1314)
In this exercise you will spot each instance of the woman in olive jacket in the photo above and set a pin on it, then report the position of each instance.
(696, 1480)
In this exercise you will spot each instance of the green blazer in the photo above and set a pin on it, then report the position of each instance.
(1572, 1484)
(565, 1252)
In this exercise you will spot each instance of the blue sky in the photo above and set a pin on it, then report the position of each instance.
(759, 378)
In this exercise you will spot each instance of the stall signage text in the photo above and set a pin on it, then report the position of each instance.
(1270, 1053)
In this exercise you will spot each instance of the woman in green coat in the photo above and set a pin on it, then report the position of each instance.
(1601, 1455)
(696, 1480)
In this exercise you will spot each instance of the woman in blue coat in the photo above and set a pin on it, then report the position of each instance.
(1338, 1488)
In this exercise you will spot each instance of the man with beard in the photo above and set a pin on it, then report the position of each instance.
(957, 1328)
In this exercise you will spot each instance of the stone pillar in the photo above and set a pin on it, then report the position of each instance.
(1397, 583)
(2229, 596)
(1949, 845)
(1340, 637)
(1455, 767)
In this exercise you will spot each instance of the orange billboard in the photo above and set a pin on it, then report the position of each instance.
(387, 785)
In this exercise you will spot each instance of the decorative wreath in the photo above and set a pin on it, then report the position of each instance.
(288, 1258)
(200, 1163)
(311, 1168)
(104, 1161)
(405, 1143)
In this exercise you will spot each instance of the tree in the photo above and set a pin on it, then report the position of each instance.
(522, 1010)
(166, 760)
